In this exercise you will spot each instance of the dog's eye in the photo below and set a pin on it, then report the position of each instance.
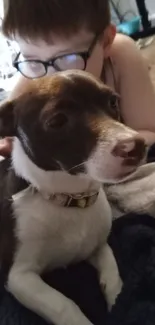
(114, 101)
(56, 122)
(114, 107)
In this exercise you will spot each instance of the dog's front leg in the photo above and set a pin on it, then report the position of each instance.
(110, 281)
(30, 290)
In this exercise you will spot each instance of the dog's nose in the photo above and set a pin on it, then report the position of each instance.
(132, 150)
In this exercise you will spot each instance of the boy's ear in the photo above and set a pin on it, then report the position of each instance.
(7, 120)
(108, 38)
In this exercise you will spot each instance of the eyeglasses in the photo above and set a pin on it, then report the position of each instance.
(36, 68)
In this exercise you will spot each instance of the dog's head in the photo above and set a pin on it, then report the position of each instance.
(69, 122)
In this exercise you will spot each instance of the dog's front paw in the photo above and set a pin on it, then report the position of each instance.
(111, 289)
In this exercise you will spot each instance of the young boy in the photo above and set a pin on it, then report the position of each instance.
(64, 34)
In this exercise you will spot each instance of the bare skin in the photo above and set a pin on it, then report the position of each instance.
(137, 105)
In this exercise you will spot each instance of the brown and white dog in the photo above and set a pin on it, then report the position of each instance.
(67, 142)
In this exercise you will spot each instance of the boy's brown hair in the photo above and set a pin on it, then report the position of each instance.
(40, 18)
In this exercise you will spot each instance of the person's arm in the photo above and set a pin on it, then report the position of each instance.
(136, 90)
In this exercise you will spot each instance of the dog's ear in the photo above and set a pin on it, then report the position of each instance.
(7, 121)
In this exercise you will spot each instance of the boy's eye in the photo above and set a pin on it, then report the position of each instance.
(31, 69)
(34, 66)
(70, 61)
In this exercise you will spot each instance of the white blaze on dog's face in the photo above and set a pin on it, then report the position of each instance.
(68, 122)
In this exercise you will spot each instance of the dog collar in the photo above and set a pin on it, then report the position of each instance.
(79, 200)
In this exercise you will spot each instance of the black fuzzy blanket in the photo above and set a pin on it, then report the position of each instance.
(133, 242)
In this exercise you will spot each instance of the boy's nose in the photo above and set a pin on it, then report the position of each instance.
(131, 150)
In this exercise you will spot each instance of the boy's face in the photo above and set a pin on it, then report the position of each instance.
(81, 42)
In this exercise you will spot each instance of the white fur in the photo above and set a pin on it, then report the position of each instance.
(51, 236)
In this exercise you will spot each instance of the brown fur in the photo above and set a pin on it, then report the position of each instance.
(39, 18)
(67, 114)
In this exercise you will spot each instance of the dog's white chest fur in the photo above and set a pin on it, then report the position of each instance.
(55, 236)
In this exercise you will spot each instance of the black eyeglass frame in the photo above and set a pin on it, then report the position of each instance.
(85, 55)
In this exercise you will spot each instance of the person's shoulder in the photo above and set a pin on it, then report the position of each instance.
(123, 40)
(123, 45)
(125, 55)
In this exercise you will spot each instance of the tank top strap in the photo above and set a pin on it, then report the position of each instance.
(108, 66)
